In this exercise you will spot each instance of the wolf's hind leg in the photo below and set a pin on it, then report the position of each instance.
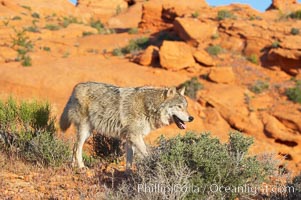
(83, 133)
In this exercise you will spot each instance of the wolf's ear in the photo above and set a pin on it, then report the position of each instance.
(182, 91)
(171, 92)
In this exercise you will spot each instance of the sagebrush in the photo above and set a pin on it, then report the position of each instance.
(27, 130)
(195, 163)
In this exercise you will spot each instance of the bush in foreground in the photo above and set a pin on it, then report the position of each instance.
(197, 167)
(27, 130)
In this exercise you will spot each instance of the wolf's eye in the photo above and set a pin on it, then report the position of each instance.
(179, 106)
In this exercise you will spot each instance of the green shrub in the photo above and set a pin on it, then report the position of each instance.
(196, 14)
(69, 20)
(26, 61)
(35, 15)
(275, 44)
(294, 93)
(134, 46)
(133, 30)
(16, 18)
(192, 86)
(199, 162)
(215, 36)
(224, 14)
(295, 15)
(86, 33)
(295, 31)
(27, 130)
(259, 86)
(23, 45)
(214, 50)
(52, 27)
(33, 29)
(253, 58)
(100, 27)
(47, 49)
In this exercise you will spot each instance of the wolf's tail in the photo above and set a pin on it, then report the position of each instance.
(65, 122)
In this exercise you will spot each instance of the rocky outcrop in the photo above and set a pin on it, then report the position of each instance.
(159, 15)
(283, 5)
(193, 31)
(103, 9)
(176, 55)
(222, 75)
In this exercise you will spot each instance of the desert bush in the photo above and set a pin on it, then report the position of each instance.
(193, 165)
(294, 93)
(295, 15)
(35, 15)
(134, 46)
(33, 29)
(69, 20)
(87, 33)
(52, 27)
(214, 50)
(101, 29)
(133, 30)
(259, 86)
(295, 31)
(196, 14)
(275, 44)
(27, 131)
(224, 14)
(16, 18)
(23, 45)
(253, 58)
(192, 86)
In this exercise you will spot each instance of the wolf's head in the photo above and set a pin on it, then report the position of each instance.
(174, 108)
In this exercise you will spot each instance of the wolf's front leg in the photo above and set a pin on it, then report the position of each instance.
(139, 144)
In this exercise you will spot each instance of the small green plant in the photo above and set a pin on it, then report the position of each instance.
(101, 29)
(275, 44)
(16, 18)
(259, 86)
(215, 36)
(23, 45)
(87, 33)
(69, 20)
(66, 54)
(47, 49)
(35, 15)
(296, 15)
(196, 14)
(214, 50)
(253, 58)
(26, 7)
(26, 61)
(192, 86)
(294, 93)
(134, 46)
(224, 14)
(133, 31)
(117, 52)
(295, 31)
(118, 10)
(52, 27)
(33, 29)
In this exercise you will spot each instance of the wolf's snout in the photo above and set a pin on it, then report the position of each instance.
(190, 118)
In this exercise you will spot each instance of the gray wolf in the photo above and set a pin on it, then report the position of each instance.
(124, 113)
